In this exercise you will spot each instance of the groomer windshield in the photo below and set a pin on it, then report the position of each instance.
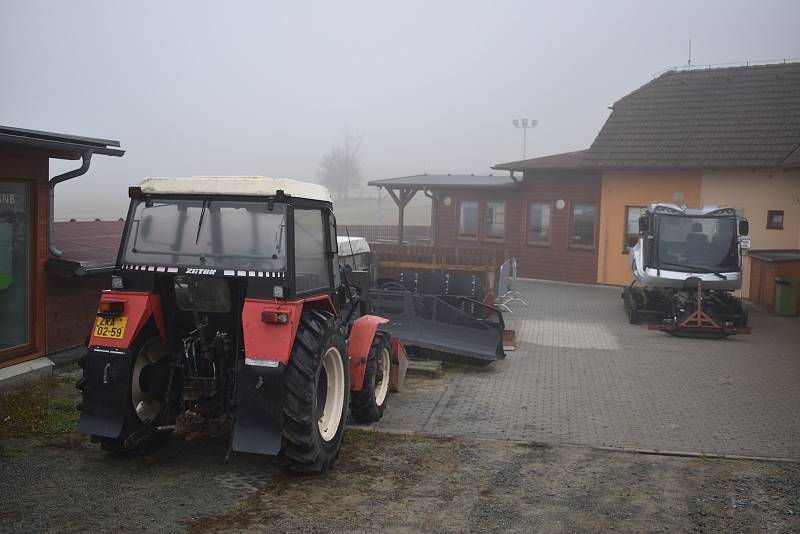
(698, 244)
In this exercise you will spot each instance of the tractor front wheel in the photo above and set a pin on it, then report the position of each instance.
(367, 405)
(316, 395)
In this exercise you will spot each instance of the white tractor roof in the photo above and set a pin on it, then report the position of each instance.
(234, 185)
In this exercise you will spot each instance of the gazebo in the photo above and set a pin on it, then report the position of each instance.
(436, 187)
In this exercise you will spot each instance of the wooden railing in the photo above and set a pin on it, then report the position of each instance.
(392, 259)
(381, 233)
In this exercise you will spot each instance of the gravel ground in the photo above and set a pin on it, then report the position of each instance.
(386, 482)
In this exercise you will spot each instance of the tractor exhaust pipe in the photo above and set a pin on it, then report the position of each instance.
(55, 180)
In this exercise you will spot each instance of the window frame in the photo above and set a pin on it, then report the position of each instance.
(483, 209)
(625, 234)
(479, 211)
(11, 354)
(549, 241)
(770, 214)
(292, 262)
(580, 246)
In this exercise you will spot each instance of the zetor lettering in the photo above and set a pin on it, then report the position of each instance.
(276, 363)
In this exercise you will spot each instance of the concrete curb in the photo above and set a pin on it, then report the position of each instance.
(25, 372)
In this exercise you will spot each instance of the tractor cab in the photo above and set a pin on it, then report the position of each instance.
(228, 313)
(276, 244)
(677, 243)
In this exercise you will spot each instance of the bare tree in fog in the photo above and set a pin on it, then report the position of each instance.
(340, 167)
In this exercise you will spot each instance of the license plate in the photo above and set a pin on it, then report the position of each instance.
(110, 327)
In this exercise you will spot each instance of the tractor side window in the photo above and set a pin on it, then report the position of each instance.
(310, 259)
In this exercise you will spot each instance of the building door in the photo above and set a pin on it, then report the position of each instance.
(15, 269)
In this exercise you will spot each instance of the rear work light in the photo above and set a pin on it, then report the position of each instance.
(135, 192)
(274, 317)
(110, 308)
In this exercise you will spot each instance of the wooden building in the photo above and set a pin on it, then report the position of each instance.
(38, 305)
(545, 214)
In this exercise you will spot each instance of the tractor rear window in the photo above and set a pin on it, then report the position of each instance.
(214, 232)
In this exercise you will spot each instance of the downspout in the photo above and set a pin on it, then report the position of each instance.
(55, 180)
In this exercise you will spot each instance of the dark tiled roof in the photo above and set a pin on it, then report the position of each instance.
(712, 118)
(793, 160)
(87, 246)
(443, 181)
(565, 161)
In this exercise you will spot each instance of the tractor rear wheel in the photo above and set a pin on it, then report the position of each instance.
(367, 405)
(147, 400)
(316, 395)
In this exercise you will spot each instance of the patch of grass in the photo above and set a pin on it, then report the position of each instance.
(356, 437)
(37, 409)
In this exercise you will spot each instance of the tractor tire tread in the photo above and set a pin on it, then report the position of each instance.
(303, 449)
(363, 407)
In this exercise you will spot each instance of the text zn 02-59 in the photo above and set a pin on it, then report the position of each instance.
(110, 327)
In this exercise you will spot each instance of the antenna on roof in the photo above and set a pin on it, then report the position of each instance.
(689, 64)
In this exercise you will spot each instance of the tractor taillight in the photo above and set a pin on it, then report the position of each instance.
(274, 317)
(110, 308)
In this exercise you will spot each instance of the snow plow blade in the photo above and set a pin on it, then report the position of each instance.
(455, 329)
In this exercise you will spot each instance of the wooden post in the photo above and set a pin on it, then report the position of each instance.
(402, 200)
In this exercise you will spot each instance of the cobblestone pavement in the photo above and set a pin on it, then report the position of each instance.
(581, 374)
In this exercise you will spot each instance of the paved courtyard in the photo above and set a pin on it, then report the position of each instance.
(581, 374)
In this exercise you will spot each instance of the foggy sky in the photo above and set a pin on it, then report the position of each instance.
(265, 88)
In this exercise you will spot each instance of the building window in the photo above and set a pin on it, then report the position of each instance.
(775, 220)
(14, 266)
(582, 225)
(632, 214)
(468, 219)
(495, 220)
(539, 222)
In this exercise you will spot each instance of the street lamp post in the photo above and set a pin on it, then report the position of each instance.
(525, 124)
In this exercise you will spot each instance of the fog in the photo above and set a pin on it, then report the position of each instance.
(267, 87)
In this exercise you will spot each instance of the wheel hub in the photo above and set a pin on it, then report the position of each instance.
(330, 393)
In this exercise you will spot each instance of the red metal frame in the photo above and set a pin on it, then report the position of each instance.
(699, 321)
(399, 365)
(359, 343)
(270, 341)
(139, 307)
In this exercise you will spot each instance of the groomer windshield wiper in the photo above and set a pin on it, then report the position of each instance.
(206, 204)
(694, 269)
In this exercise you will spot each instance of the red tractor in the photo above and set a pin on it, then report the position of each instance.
(229, 314)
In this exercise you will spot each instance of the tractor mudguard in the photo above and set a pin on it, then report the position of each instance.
(258, 425)
(107, 372)
(358, 345)
(138, 308)
(269, 340)
(105, 395)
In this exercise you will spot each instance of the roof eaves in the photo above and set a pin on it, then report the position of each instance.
(66, 146)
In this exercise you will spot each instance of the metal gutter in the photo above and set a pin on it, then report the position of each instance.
(86, 156)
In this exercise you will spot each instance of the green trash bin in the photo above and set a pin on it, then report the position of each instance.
(785, 296)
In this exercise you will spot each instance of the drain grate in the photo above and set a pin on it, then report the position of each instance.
(242, 481)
